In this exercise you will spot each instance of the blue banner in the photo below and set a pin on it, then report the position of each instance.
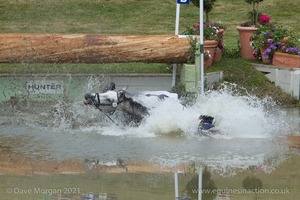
(183, 1)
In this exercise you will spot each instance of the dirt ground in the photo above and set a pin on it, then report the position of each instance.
(22, 165)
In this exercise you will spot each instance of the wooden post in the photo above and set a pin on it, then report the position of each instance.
(92, 48)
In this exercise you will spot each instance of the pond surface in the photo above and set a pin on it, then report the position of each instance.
(41, 137)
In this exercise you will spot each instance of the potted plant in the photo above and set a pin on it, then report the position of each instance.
(211, 40)
(246, 30)
(267, 39)
(219, 49)
(212, 32)
(288, 55)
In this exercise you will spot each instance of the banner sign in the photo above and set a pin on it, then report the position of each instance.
(45, 87)
(183, 1)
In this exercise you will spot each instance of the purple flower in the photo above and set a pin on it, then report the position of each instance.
(272, 46)
(270, 41)
(268, 50)
(266, 56)
(292, 50)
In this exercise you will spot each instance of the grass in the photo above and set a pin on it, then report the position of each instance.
(123, 186)
(132, 17)
(140, 17)
(84, 68)
(238, 70)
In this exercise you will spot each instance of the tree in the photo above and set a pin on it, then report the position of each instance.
(254, 13)
(207, 7)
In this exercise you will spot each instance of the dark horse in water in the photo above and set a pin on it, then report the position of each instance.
(120, 100)
(125, 102)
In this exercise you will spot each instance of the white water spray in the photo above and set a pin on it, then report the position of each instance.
(236, 116)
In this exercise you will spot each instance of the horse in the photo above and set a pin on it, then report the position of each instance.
(125, 102)
(121, 100)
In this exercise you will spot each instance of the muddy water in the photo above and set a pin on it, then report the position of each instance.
(248, 132)
(64, 137)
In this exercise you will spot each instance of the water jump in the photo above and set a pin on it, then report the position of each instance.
(138, 106)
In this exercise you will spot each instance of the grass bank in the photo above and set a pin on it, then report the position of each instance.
(132, 16)
(84, 68)
(240, 71)
(141, 17)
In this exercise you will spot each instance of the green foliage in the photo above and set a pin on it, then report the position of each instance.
(232, 53)
(210, 33)
(219, 24)
(254, 14)
(191, 55)
(207, 7)
(207, 4)
(273, 37)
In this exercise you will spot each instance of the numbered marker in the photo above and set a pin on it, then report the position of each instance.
(183, 1)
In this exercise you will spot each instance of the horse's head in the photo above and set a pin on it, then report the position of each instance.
(109, 98)
(122, 99)
(90, 99)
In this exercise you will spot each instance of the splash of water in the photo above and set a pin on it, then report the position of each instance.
(243, 116)
(168, 136)
(236, 116)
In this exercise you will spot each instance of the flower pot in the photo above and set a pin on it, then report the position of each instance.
(209, 52)
(264, 60)
(286, 60)
(294, 140)
(218, 55)
(245, 35)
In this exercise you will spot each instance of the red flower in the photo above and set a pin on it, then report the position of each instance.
(263, 18)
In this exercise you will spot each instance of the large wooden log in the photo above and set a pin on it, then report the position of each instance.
(92, 48)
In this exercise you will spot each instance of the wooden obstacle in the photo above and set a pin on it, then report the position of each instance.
(92, 48)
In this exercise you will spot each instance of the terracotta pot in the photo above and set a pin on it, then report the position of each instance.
(245, 34)
(294, 141)
(209, 52)
(264, 60)
(218, 55)
(286, 60)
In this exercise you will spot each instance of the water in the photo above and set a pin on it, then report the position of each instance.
(250, 132)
